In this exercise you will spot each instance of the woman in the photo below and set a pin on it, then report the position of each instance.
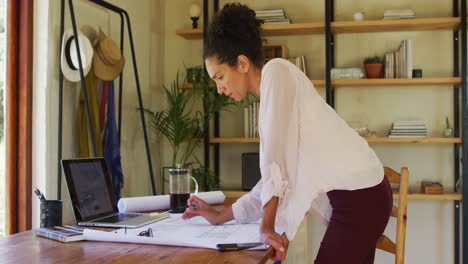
(310, 159)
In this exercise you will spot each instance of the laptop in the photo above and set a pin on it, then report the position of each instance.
(93, 198)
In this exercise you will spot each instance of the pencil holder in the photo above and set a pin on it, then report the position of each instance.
(51, 213)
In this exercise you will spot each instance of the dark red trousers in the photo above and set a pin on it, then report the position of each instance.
(358, 219)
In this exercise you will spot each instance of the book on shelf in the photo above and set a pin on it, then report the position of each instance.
(246, 122)
(415, 128)
(272, 16)
(406, 131)
(409, 127)
(406, 136)
(63, 234)
(399, 64)
(269, 11)
(410, 123)
(251, 120)
(399, 14)
(300, 62)
(277, 22)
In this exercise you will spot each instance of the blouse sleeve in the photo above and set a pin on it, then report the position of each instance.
(278, 129)
(248, 208)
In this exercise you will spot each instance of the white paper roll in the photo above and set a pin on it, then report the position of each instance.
(161, 202)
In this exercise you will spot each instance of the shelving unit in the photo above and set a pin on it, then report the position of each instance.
(457, 24)
(328, 28)
(417, 24)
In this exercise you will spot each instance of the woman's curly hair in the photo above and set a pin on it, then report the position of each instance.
(234, 31)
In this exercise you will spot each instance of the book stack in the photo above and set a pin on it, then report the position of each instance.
(272, 16)
(408, 129)
(251, 120)
(399, 64)
(399, 14)
(63, 234)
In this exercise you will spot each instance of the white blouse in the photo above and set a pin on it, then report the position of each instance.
(306, 150)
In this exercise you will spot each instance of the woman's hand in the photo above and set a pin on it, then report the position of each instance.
(280, 243)
(268, 235)
(198, 207)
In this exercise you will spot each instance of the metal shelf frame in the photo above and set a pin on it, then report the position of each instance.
(459, 10)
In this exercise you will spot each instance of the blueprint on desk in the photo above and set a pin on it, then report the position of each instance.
(174, 231)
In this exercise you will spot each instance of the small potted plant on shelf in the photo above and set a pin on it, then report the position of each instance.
(373, 66)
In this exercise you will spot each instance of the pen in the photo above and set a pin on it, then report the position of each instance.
(40, 195)
(193, 206)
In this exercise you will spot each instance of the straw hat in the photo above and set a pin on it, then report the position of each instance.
(108, 61)
(69, 58)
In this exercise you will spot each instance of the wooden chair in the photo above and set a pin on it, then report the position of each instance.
(384, 243)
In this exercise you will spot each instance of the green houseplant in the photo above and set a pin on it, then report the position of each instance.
(373, 66)
(184, 127)
(178, 124)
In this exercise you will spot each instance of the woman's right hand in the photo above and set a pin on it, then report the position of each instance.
(198, 207)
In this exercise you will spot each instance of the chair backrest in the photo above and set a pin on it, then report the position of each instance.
(384, 243)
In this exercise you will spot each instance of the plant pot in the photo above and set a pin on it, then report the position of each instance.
(374, 70)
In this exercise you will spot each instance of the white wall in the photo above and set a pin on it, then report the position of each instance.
(147, 33)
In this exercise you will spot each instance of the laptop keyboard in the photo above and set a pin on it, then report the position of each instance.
(117, 218)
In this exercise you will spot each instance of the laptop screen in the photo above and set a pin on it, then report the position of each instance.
(90, 188)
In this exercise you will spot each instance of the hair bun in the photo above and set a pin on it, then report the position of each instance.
(237, 21)
(234, 31)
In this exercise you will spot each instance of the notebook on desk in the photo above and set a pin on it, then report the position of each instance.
(93, 198)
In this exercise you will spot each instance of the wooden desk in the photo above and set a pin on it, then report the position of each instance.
(25, 247)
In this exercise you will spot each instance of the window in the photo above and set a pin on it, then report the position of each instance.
(2, 112)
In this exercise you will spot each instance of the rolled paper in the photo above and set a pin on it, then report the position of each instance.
(161, 202)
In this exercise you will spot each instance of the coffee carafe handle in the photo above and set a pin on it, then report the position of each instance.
(196, 185)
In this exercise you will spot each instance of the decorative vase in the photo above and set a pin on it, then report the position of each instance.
(374, 70)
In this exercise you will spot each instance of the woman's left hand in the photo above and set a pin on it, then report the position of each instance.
(279, 242)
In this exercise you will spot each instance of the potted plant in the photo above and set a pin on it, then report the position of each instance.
(177, 123)
(373, 66)
(184, 128)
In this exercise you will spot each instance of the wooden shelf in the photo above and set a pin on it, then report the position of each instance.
(190, 33)
(294, 29)
(413, 140)
(267, 30)
(235, 194)
(318, 83)
(416, 24)
(370, 140)
(397, 82)
(234, 140)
